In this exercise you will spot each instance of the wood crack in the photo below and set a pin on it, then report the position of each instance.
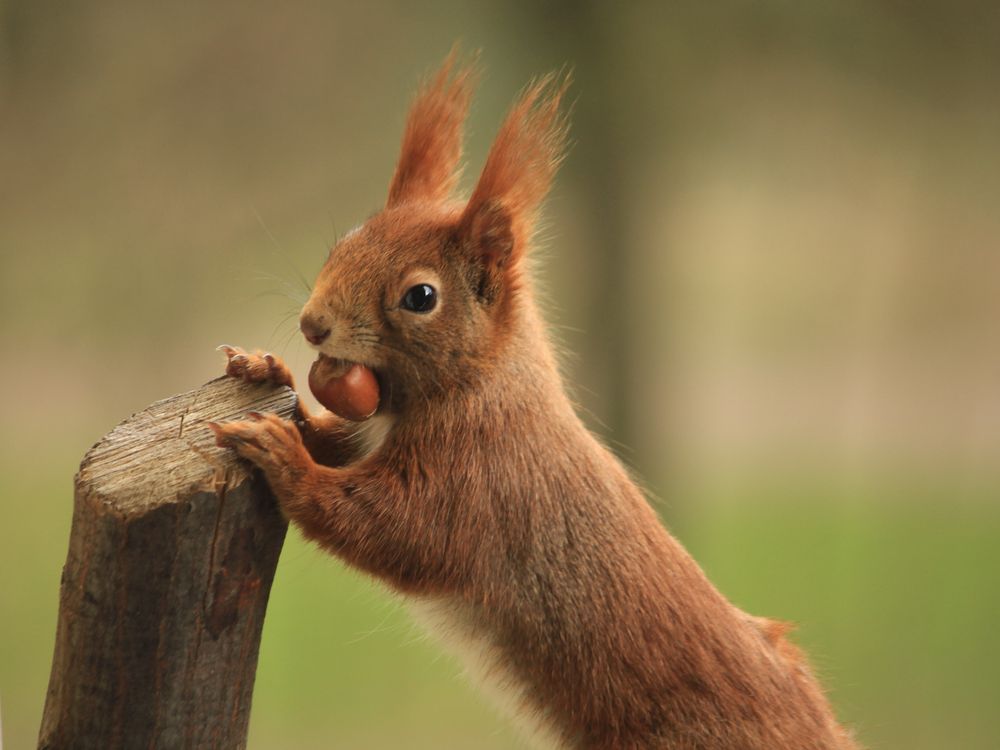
(172, 554)
(187, 410)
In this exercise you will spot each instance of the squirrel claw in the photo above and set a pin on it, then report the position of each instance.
(255, 368)
(220, 436)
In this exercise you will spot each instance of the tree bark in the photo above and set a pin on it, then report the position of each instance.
(171, 557)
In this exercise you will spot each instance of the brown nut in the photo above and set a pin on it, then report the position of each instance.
(348, 389)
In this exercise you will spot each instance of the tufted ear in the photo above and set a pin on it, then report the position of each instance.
(432, 141)
(499, 219)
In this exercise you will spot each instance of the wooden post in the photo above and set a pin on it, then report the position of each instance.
(171, 557)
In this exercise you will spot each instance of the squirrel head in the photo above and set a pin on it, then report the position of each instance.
(425, 292)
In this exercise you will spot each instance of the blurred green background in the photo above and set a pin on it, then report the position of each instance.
(773, 255)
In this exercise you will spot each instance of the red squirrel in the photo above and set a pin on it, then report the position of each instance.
(476, 491)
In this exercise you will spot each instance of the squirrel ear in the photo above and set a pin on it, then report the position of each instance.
(432, 141)
(519, 168)
(487, 238)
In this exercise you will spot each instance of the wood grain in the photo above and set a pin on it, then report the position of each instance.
(172, 552)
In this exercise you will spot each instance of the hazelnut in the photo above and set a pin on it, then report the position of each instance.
(348, 389)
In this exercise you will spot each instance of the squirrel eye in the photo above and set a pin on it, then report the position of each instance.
(419, 299)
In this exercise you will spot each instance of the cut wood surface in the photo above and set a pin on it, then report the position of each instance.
(171, 557)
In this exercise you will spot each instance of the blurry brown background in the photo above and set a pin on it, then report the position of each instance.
(773, 256)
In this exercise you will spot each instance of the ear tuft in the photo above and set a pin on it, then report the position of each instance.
(523, 159)
(432, 140)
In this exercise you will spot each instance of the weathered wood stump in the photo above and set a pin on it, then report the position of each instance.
(171, 557)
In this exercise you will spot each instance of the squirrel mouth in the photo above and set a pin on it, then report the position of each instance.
(348, 389)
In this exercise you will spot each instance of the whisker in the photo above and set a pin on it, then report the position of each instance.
(289, 337)
(280, 323)
(281, 253)
(287, 290)
(333, 225)
(279, 293)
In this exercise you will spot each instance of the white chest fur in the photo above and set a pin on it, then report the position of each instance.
(372, 433)
(459, 629)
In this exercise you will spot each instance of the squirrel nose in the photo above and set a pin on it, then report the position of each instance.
(314, 329)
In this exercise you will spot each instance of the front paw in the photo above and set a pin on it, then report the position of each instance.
(271, 443)
(256, 368)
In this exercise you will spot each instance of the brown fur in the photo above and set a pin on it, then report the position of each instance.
(432, 141)
(489, 497)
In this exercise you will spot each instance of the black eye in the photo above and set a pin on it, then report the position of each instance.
(419, 299)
